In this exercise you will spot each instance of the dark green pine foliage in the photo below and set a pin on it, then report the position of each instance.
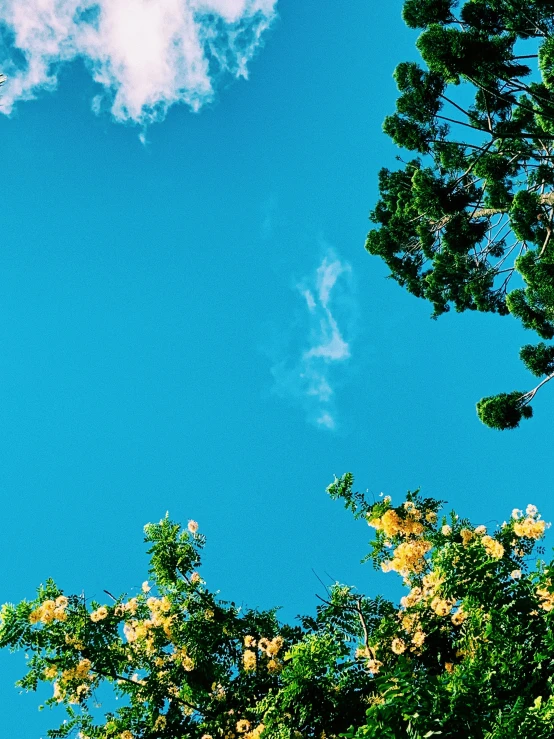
(473, 206)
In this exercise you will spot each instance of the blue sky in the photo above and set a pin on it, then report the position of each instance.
(189, 322)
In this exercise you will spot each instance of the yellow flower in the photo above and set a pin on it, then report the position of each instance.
(413, 597)
(418, 638)
(493, 547)
(195, 577)
(449, 667)
(274, 665)
(529, 528)
(192, 527)
(440, 607)
(146, 587)
(130, 632)
(50, 672)
(263, 644)
(546, 597)
(160, 724)
(431, 517)
(35, 616)
(431, 583)
(398, 646)
(60, 614)
(459, 617)
(408, 557)
(249, 660)
(480, 530)
(446, 530)
(46, 616)
(99, 614)
(126, 735)
(249, 641)
(188, 663)
(209, 614)
(61, 601)
(391, 523)
(373, 665)
(131, 606)
(515, 575)
(207, 736)
(274, 646)
(467, 536)
(243, 725)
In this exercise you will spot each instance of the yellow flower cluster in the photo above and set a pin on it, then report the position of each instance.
(99, 614)
(50, 610)
(459, 617)
(183, 658)
(393, 525)
(255, 733)
(79, 672)
(467, 536)
(530, 527)
(243, 725)
(398, 646)
(50, 672)
(141, 630)
(160, 723)
(249, 660)
(440, 606)
(546, 597)
(413, 597)
(269, 647)
(408, 557)
(493, 547)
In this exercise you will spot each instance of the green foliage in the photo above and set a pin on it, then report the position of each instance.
(476, 209)
(504, 411)
(467, 652)
(538, 359)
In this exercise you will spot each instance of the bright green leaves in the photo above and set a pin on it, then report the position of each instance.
(421, 13)
(414, 125)
(453, 54)
(174, 552)
(524, 217)
(538, 359)
(504, 411)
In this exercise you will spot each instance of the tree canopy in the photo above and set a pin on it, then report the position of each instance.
(466, 652)
(467, 223)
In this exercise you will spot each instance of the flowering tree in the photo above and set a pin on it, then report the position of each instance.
(467, 652)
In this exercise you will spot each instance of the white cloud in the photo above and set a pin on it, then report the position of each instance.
(146, 54)
(309, 375)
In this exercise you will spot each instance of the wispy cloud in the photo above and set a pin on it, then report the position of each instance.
(311, 374)
(146, 54)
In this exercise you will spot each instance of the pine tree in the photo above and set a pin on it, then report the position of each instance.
(468, 222)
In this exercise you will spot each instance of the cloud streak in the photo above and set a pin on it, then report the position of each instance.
(146, 54)
(310, 375)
